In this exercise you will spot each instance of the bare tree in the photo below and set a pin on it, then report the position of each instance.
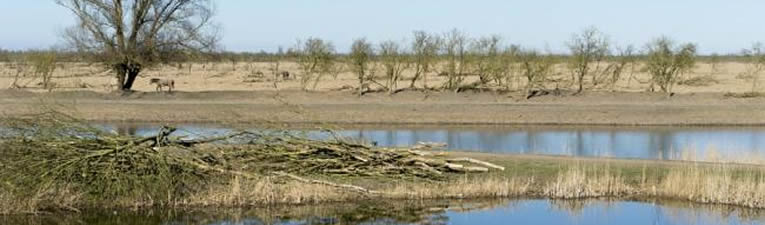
(667, 61)
(316, 57)
(587, 48)
(618, 63)
(486, 54)
(508, 67)
(360, 57)
(535, 67)
(44, 64)
(424, 53)
(274, 66)
(454, 46)
(394, 62)
(21, 71)
(134, 34)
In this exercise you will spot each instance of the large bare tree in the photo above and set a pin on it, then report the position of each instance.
(133, 34)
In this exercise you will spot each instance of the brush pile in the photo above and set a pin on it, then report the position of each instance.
(291, 154)
(54, 150)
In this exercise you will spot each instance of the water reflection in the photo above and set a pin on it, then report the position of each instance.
(484, 212)
(640, 142)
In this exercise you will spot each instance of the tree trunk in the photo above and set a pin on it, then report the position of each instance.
(130, 80)
(126, 75)
(417, 73)
(121, 72)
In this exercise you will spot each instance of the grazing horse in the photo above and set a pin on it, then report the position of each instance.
(285, 75)
(170, 84)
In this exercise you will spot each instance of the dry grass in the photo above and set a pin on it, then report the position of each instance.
(700, 183)
(715, 155)
(700, 81)
(265, 191)
(490, 187)
(14, 202)
(718, 185)
(744, 95)
(694, 183)
(268, 191)
(576, 183)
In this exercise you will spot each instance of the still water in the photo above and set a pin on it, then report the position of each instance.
(529, 212)
(664, 143)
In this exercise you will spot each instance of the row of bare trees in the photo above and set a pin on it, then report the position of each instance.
(455, 56)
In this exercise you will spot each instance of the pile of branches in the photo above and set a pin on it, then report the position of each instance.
(297, 155)
(54, 149)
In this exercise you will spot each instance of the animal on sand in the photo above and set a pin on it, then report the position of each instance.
(170, 84)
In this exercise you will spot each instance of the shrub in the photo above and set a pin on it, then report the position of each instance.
(625, 59)
(755, 58)
(316, 59)
(360, 57)
(487, 61)
(535, 67)
(44, 64)
(666, 61)
(454, 47)
(587, 48)
(509, 69)
(424, 55)
(394, 62)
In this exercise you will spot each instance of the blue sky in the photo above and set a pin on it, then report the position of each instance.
(251, 25)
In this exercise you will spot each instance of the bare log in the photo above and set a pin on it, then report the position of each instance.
(475, 161)
(466, 169)
(428, 168)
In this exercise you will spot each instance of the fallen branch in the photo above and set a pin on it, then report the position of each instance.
(327, 183)
(189, 143)
(465, 169)
(428, 145)
(475, 161)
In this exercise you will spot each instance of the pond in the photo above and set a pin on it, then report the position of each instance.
(593, 212)
(662, 143)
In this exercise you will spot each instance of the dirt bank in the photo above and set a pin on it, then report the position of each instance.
(410, 107)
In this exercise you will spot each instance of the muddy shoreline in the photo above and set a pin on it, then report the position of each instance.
(410, 108)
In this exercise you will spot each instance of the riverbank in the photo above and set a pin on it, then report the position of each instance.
(408, 107)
